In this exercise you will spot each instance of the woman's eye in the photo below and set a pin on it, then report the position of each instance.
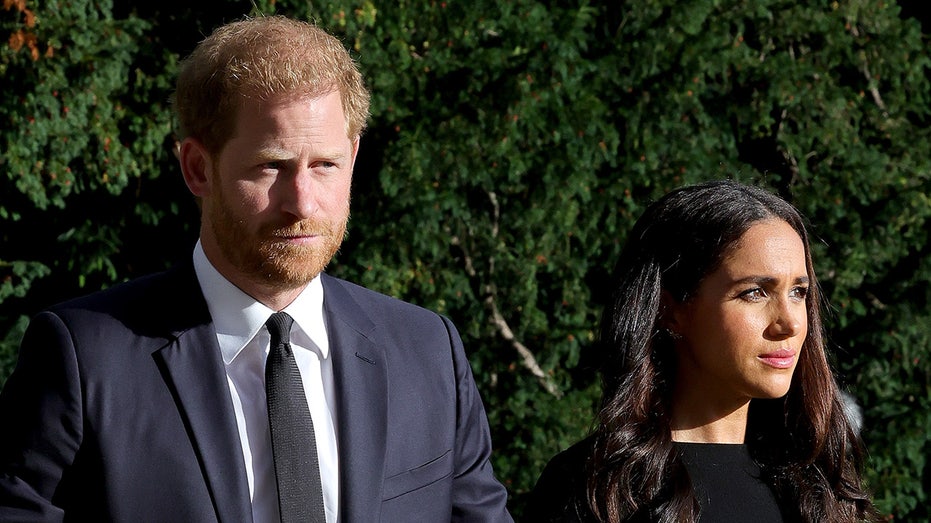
(754, 294)
(800, 292)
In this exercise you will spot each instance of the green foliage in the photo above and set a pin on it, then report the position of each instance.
(494, 142)
(83, 132)
(62, 133)
(511, 146)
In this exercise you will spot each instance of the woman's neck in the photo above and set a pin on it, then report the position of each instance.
(697, 418)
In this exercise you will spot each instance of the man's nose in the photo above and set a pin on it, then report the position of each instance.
(299, 193)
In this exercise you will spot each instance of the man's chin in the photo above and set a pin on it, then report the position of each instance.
(287, 283)
(293, 271)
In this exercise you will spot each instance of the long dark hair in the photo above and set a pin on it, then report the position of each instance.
(805, 445)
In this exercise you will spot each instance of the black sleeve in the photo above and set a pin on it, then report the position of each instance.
(560, 493)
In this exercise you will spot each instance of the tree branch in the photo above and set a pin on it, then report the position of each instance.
(489, 293)
(865, 69)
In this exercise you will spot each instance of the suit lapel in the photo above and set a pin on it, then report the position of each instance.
(362, 403)
(194, 370)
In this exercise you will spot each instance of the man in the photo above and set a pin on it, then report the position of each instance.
(148, 401)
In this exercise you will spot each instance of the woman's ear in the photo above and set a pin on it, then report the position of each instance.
(670, 317)
(196, 166)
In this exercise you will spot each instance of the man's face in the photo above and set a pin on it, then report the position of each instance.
(277, 199)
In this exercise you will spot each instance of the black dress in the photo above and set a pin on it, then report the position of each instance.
(727, 483)
(725, 478)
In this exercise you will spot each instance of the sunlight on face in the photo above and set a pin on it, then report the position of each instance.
(742, 332)
(280, 203)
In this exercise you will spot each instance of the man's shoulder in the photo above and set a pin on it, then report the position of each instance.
(338, 288)
(393, 321)
(153, 304)
(170, 284)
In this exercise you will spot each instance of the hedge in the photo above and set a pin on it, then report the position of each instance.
(512, 144)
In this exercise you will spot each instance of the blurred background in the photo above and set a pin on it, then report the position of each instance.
(511, 146)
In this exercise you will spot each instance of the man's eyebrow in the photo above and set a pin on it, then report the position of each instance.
(278, 153)
(273, 153)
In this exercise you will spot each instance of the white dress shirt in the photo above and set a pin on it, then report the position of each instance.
(244, 343)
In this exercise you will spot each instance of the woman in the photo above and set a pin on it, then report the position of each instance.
(718, 401)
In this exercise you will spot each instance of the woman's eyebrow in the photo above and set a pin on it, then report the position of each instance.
(770, 280)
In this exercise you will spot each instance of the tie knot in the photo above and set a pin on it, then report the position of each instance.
(279, 328)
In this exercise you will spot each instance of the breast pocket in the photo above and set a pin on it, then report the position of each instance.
(419, 477)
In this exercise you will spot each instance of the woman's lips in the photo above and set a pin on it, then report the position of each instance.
(780, 359)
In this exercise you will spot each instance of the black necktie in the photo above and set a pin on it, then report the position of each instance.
(300, 496)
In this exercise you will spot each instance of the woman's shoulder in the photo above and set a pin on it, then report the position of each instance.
(560, 492)
(572, 460)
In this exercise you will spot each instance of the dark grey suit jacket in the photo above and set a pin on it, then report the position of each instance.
(119, 410)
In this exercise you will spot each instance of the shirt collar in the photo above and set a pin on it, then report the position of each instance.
(238, 317)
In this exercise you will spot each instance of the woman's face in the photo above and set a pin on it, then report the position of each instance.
(740, 336)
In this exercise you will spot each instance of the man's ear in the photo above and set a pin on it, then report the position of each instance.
(355, 151)
(196, 166)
